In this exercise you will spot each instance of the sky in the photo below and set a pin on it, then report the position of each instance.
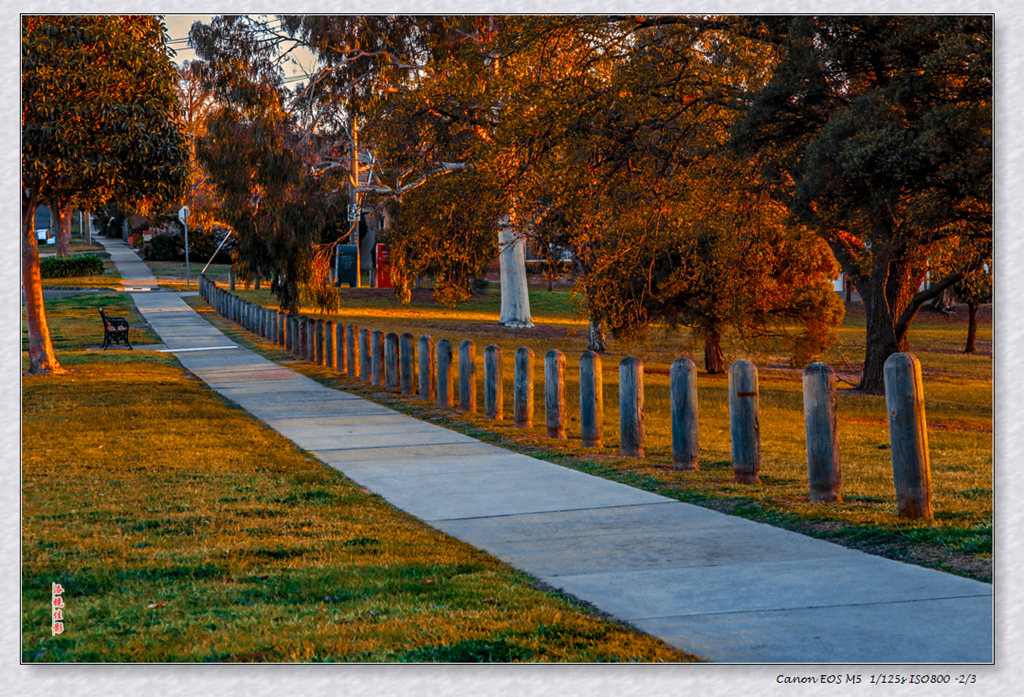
(178, 26)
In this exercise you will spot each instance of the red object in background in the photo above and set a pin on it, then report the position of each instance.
(383, 264)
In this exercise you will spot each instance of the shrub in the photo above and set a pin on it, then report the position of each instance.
(165, 246)
(68, 267)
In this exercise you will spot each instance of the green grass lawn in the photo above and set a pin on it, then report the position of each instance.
(75, 323)
(183, 530)
(958, 392)
(172, 273)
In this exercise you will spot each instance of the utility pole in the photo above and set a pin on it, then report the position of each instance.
(354, 202)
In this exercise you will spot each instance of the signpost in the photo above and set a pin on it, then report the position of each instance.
(183, 217)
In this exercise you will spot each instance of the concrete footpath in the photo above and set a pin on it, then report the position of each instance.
(723, 588)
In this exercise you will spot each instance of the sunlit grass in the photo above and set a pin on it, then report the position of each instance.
(183, 530)
(958, 393)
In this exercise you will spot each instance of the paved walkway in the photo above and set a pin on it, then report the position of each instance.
(720, 587)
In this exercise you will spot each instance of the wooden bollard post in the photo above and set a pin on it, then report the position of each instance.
(744, 422)
(303, 337)
(405, 352)
(823, 472)
(444, 373)
(554, 393)
(467, 376)
(908, 436)
(310, 339)
(426, 360)
(391, 361)
(591, 399)
(352, 351)
(282, 330)
(683, 389)
(318, 346)
(339, 347)
(493, 406)
(289, 332)
(522, 388)
(364, 355)
(329, 343)
(631, 407)
(377, 357)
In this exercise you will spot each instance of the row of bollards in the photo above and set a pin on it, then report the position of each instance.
(388, 360)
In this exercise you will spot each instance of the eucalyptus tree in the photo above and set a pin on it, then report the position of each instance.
(421, 94)
(262, 161)
(98, 108)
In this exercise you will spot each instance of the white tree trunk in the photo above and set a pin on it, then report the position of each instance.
(515, 298)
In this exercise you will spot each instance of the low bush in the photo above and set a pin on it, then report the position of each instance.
(68, 267)
(165, 246)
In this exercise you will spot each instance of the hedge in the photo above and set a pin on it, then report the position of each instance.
(67, 267)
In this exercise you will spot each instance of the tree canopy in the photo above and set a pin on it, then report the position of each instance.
(877, 130)
(98, 122)
(702, 170)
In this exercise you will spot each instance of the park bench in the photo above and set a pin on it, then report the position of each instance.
(115, 330)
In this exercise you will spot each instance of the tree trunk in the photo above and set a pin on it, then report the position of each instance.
(596, 340)
(714, 361)
(64, 229)
(881, 294)
(40, 349)
(972, 326)
(515, 297)
(60, 224)
(943, 302)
